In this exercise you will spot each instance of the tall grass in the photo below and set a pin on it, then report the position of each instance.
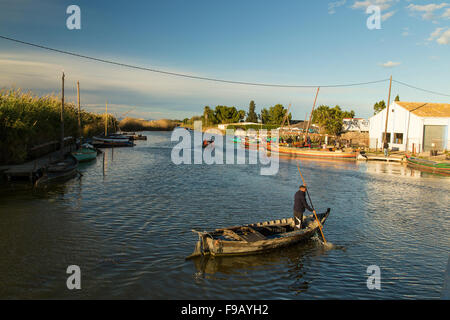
(27, 120)
(131, 124)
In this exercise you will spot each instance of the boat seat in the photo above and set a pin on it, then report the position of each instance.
(249, 234)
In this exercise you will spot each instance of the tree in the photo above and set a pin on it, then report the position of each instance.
(274, 115)
(329, 119)
(397, 98)
(264, 116)
(208, 116)
(251, 115)
(224, 114)
(379, 106)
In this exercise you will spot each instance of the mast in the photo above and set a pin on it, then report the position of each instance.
(79, 110)
(62, 118)
(310, 116)
(106, 119)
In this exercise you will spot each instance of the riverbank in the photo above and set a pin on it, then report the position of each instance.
(132, 124)
(30, 126)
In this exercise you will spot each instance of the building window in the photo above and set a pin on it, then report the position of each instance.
(398, 138)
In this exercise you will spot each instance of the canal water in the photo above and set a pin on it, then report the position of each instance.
(127, 224)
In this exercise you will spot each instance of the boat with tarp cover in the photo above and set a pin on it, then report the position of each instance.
(428, 165)
(257, 237)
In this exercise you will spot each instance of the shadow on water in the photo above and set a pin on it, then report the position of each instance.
(293, 255)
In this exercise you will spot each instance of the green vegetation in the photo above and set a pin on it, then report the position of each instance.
(379, 106)
(223, 114)
(131, 124)
(274, 115)
(251, 115)
(252, 126)
(27, 120)
(329, 119)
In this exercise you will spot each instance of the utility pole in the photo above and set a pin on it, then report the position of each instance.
(79, 110)
(62, 118)
(387, 112)
(310, 116)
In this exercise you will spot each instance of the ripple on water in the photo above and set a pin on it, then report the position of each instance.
(127, 223)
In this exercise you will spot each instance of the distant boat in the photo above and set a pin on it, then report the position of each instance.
(59, 171)
(111, 141)
(86, 153)
(257, 237)
(313, 153)
(428, 165)
(207, 143)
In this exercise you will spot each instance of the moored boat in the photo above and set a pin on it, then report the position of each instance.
(428, 165)
(255, 238)
(59, 171)
(87, 152)
(111, 141)
(313, 153)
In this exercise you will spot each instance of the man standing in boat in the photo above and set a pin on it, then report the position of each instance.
(300, 205)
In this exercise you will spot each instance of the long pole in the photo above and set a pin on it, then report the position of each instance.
(62, 118)
(106, 119)
(79, 110)
(387, 111)
(310, 116)
(314, 211)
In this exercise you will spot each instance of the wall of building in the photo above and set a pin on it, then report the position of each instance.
(403, 122)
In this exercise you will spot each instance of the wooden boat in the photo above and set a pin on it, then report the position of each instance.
(109, 141)
(312, 153)
(139, 137)
(87, 152)
(207, 143)
(428, 165)
(58, 171)
(255, 238)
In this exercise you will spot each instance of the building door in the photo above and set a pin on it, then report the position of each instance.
(433, 134)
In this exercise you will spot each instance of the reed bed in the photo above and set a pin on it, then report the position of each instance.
(27, 120)
(132, 124)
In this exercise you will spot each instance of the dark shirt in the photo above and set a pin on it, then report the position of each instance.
(300, 202)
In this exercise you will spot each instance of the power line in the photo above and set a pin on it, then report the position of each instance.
(215, 79)
(188, 75)
(425, 90)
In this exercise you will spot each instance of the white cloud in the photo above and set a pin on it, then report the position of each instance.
(446, 14)
(383, 4)
(435, 34)
(428, 10)
(333, 5)
(387, 15)
(444, 38)
(390, 64)
(405, 32)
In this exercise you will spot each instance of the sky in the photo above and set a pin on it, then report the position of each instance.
(289, 42)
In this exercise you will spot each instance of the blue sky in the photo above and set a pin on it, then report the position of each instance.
(289, 42)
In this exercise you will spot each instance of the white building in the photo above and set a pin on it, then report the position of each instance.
(417, 125)
(355, 125)
(224, 126)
